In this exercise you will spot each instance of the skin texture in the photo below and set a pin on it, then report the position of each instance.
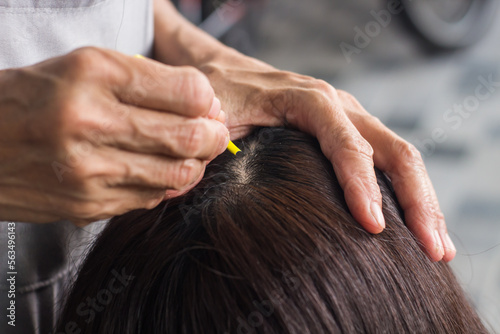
(254, 93)
(96, 133)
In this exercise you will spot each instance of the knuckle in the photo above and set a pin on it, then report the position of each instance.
(86, 210)
(81, 173)
(184, 174)
(363, 182)
(195, 138)
(409, 155)
(84, 169)
(209, 69)
(358, 145)
(197, 90)
(319, 98)
(441, 219)
(366, 149)
(356, 163)
(85, 61)
(365, 120)
(325, 94)
(323, 87)
(74, 116)
(353, 185)
(346, 96)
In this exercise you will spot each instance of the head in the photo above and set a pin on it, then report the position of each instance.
(264, 244)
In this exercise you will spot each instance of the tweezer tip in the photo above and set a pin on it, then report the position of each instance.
(239, 154)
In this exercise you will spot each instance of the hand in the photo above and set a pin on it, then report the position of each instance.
(95, 133)
(254, 93)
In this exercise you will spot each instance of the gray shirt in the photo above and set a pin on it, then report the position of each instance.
(47, 254)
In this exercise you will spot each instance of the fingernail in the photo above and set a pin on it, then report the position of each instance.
(214, 109)
(449, 244)
(377, 214)
(438, 243)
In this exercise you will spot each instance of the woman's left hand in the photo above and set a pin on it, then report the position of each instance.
(256, 94)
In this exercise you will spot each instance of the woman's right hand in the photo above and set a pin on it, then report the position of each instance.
(95, 133)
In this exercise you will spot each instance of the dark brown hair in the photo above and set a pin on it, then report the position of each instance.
(264, 244)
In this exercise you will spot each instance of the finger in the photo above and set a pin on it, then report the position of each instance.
(182, 90)
(349, 153)
(418, 200)
(404, 165)
(145, 82)
(151, 132)
(449, 248)
(149, 171)
(176, 193)
(352, 161)
(351, 157)
(415, 197)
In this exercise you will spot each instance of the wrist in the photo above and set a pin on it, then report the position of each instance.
(179, 43)
(230, 58)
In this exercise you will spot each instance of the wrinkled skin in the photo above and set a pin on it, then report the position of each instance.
(95, 133)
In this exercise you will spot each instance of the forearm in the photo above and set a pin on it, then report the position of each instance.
(178, 42)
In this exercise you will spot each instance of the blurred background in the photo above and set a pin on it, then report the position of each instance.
(431, 73)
